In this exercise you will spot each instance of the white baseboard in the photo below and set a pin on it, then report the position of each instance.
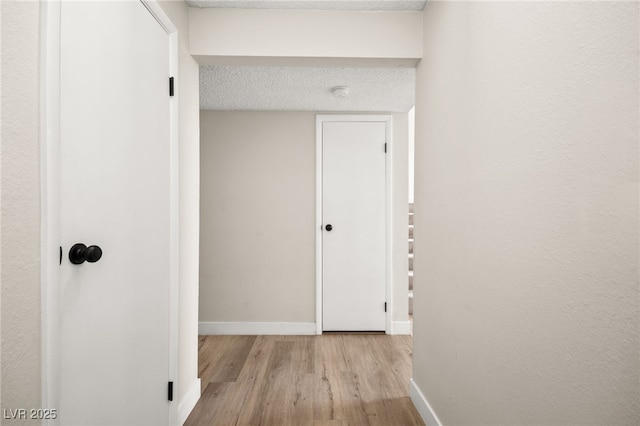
(250, 328)
(401, 327)
(188, 402)
(422, 405)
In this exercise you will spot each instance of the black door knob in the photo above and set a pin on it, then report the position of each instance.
(80, 253)
(328, 227)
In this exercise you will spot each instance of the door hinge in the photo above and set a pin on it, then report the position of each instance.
(385, 147)
(170, 396)
(170, 86)
(385, 306)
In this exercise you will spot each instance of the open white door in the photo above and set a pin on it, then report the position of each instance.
(353, 220)
(115, 193)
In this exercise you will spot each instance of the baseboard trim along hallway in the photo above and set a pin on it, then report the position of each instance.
(422, 405)
(401, 328)
(256, 328)
(275, 328)
(189, 401)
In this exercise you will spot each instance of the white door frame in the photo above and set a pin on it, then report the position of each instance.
(50, 199)
(387, 119)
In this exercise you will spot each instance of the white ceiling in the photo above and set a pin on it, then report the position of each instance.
(313, 4)
(259, 88)
(308, 88)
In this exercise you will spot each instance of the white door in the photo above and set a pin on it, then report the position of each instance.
(115, 194)
(353, 235)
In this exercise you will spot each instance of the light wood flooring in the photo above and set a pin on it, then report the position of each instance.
(332, 379)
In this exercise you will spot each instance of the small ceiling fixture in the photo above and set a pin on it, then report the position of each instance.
(340, 91)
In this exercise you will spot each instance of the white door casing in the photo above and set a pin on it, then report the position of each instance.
(109, 331)
(353, 256)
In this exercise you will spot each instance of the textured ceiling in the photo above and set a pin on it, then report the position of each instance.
(313, 4)
(291, 88)
(259, 88)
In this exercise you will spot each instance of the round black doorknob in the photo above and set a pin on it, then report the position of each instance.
(80, 253)
(94, 253)
(328, 227)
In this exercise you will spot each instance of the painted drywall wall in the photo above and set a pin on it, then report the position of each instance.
(20, 211)
(189, 222)
(305, 34)
(178, 12)
(400, 217)
(189, 210)
(526, 209)
(258, 215)
(411, 149)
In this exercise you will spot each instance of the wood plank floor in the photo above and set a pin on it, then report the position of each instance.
(332, 379)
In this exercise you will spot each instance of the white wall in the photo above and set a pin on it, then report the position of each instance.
(20, 211)
(258, 215)
(412, 145)
(269, 33)
(188, 386)
(178, 12)
(400, 214)
(526, 208)
(188, 94)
